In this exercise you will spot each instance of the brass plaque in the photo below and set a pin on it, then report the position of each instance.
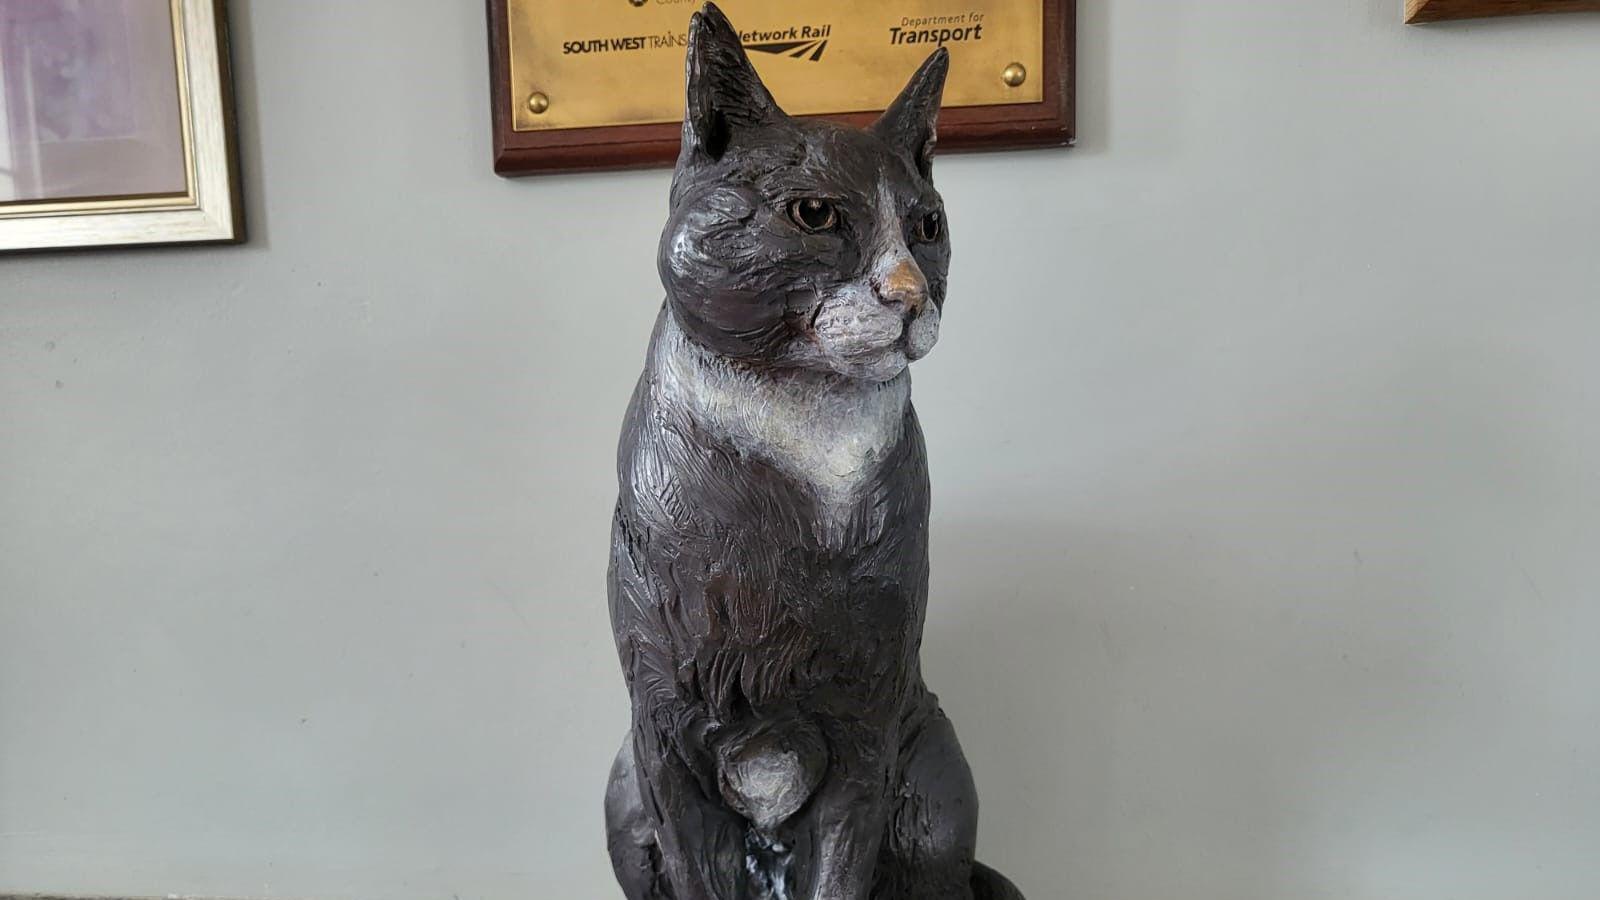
(593, 63)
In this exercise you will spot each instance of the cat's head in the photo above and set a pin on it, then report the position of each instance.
(799, 243)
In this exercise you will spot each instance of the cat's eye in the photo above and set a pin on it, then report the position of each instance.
(930, 227)
(814, 215)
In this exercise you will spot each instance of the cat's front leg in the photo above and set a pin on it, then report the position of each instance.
(701, 842)
(844, 827)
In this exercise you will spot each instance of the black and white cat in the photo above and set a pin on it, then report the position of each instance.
(769, 568)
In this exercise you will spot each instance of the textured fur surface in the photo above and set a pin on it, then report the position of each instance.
(769, 564)
(823, 430)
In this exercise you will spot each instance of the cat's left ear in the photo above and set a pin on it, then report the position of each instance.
(911, 123)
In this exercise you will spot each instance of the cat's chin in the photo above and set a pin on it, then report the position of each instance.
(878, 368)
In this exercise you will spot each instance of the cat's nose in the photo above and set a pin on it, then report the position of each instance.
(902, 284)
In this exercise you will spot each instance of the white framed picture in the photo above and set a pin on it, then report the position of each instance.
(116, 124)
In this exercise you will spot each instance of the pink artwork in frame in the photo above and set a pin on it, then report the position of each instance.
(115, 124)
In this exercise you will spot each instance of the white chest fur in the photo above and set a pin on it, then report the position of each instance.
(826, 431)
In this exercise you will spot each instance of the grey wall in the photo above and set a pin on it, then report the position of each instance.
(1264, 434)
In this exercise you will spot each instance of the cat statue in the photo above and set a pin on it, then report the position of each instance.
(769, 556)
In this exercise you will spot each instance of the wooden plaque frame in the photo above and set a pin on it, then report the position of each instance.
(1050, 123)
(1420, 11)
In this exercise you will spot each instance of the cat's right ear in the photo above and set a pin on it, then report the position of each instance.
(725, 93)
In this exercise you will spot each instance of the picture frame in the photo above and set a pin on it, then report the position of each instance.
(117, 125)
(1048, 121)
(1418, 12)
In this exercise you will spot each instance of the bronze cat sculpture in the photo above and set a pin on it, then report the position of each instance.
(769, 561)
